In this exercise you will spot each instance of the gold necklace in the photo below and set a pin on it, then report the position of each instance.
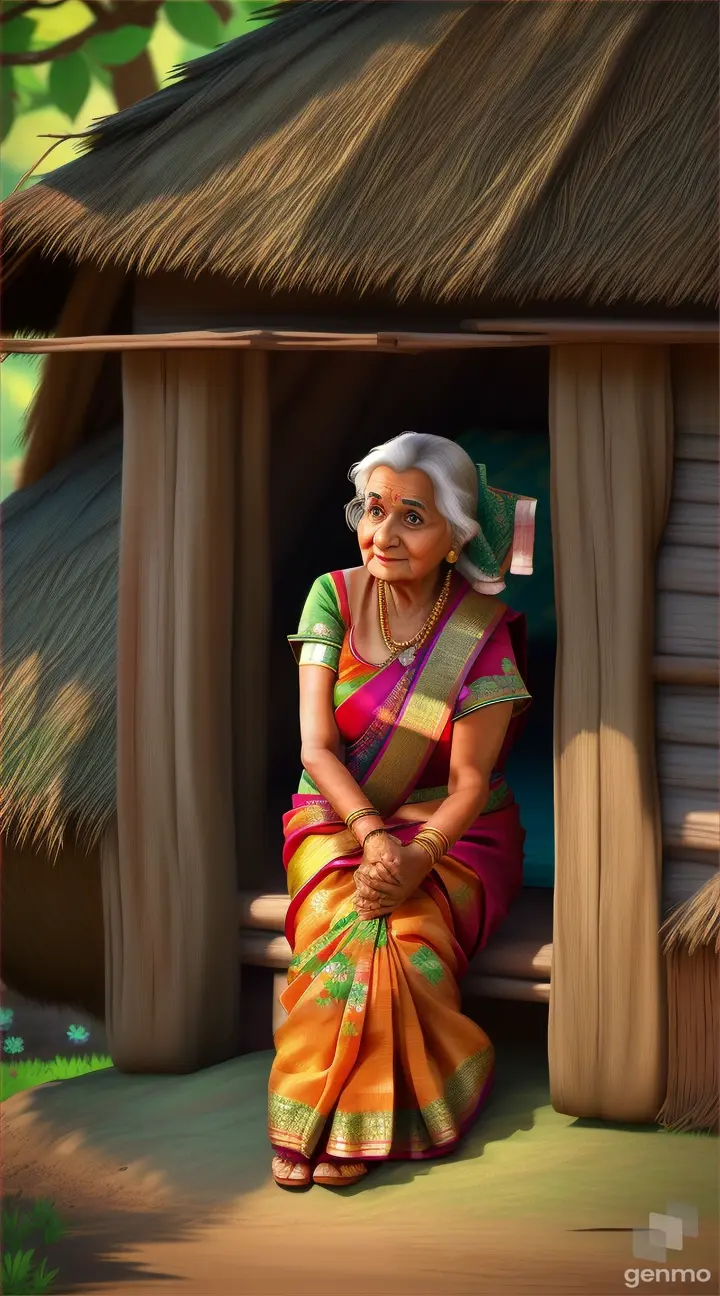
(406, 649)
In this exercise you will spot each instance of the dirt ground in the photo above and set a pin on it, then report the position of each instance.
(164, 1182)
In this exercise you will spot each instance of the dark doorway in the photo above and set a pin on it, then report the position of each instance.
(328, 411)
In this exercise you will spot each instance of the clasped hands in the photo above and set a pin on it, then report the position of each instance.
(388, 875)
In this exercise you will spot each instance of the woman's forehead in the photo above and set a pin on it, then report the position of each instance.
(412, 484)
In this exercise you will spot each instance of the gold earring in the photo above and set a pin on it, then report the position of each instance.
(451, 557)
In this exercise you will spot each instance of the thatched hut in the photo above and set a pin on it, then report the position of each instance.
(493, 221)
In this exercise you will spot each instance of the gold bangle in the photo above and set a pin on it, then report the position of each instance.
(359, 814)
(425, 846)
(434, 842)
(438, 836)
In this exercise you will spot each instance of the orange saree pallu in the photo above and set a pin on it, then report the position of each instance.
(375, 1059)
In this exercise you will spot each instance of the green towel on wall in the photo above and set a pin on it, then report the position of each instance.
(520, 462)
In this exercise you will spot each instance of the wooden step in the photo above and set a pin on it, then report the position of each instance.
(520, 951)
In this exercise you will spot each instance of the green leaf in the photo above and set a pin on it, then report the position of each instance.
(121, 46)
(69, 83)
(97, 71)
(16, 1269)
(8, 97)
(17, 33)
(196, 21)
(43, 1278)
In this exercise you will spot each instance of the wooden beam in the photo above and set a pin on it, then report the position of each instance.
(274, 952)
(686, 670)
(508, 960)
(267, 340)
(572, 330)
(263, 911)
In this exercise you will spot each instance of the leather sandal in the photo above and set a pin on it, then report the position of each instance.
(340, 1175)
(293, 1179)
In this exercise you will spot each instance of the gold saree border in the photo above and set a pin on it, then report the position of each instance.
(433, 698)
(297, 1126)
(315, 853)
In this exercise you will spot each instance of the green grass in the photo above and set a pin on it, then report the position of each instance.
(25, 1226)
(15, 1076)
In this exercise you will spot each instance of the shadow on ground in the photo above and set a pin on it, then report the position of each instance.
(164, 1183)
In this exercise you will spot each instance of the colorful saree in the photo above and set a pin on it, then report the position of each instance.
(375, 1059)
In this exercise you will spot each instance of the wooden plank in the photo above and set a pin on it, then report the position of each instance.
(263, 949)
(681, 567)
(702, 446)
(682, 879)
(527, 959)
(522, 949)
(692, 524)
(523, 945)
(492, 987)
(269, 339)
(703, 672)
(692, 481)
(687, 625)
(263, 911)
(690, 819)
(266, 340)
(685, 765)
(687, 715)
(610, 330)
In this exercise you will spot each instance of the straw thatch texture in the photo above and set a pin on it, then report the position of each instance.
(533, 152)
(692, 945)
(60, 554)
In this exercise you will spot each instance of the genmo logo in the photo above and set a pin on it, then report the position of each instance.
(634, 1277)
(666, 1233)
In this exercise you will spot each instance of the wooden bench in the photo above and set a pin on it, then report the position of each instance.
(515, 963)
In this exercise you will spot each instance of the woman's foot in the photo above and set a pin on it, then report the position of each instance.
(341, 1174)
(291, 1174)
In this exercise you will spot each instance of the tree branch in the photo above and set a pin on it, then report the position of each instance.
(106, 20)
(25, 6)
(133, 81)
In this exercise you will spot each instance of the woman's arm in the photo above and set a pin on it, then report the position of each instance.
(321, 748)
(476, 745)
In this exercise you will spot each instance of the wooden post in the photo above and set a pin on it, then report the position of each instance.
(611, 437)
(168, 873)
(253, 575)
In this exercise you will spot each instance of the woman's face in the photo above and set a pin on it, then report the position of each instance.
(402, 535)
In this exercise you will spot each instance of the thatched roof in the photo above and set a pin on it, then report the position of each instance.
(59, 574)
(445, 152)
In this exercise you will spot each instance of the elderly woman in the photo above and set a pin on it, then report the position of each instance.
(403, 847)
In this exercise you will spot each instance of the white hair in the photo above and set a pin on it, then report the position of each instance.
(455, 483)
